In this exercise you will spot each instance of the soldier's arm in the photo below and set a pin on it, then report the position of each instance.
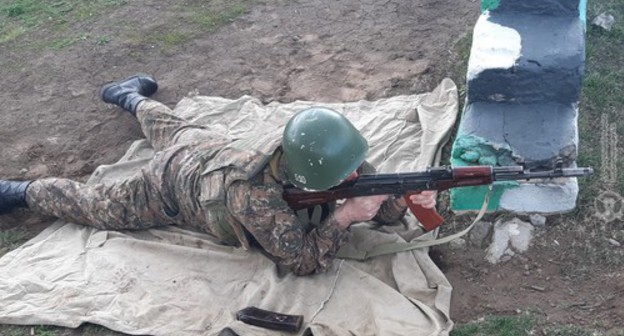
(392, 209)
(262, 211)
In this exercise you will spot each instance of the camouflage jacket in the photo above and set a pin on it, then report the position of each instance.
(239, 196)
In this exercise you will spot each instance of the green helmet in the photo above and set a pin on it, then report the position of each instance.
(322, 148)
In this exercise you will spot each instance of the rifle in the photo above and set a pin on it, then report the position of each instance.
(434, 178)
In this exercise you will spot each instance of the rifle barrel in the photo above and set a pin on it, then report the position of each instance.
(512, 173)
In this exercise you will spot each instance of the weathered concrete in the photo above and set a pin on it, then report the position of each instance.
(533, 135)
(508, 239)
(535, 7)
(536, 136)
(526, 59)
(523, 86)
(548, 198)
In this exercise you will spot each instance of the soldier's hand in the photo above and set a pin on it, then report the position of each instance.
(358, 209)
(426, 199)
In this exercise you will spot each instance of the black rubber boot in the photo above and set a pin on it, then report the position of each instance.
(129, 92)
(12, 195)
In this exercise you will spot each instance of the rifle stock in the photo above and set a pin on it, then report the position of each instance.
(435, 178)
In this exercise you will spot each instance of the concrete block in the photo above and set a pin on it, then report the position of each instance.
(546, 198)
(533, 135)
(526, 59)
(470, 199)
(523, 86)
(570, 8)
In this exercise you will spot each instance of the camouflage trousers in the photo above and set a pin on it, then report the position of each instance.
(162, 193)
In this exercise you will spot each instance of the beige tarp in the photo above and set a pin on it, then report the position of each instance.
(176, 282)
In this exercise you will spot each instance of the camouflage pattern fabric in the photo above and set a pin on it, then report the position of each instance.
(202, 179)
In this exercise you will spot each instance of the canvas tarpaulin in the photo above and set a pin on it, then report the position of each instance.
(173, 281)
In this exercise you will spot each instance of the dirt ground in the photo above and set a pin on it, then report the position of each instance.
(53, 123)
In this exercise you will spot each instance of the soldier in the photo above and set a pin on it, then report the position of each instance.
(229, 188)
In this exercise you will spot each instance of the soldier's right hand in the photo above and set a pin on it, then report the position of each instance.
(358, 209)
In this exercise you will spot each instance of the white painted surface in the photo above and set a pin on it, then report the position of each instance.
(493, 47)
(543, 198)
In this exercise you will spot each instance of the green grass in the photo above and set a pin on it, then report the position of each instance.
(19, 17)
(164, 39)
(210, 18)
(498, 325)
(522, 325)
(197, 18)
(10, 239)
(67, 41)
(602, 97)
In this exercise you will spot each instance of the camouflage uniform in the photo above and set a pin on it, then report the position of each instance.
(230, 188)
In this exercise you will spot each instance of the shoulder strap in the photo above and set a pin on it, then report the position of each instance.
(392, 248)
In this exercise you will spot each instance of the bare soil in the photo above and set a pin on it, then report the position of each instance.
(53, 123)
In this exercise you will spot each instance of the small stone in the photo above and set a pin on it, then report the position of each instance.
(537, 220)
(614, 242)
(23, 171)
(479, 234)
(508, 238)
(457, 244)
(510, 252)
(38, 171)
(604, 21)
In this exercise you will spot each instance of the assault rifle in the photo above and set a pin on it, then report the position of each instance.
(435, 178)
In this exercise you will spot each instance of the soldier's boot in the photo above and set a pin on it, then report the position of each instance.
(128, 93)
(12, 195)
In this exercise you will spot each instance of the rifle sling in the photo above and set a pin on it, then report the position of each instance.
(393, 248)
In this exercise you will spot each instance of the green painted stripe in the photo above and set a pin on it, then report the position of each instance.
(471, 198)
(489, 4)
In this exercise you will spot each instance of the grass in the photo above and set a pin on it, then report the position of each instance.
(10, 239)
(19, 17)
(522, 325)
(211, 19)
(197, 18)
(498, 325)
(602, 100)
